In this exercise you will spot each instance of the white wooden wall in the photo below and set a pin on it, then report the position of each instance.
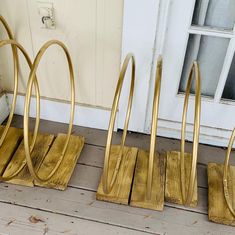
(92, 31)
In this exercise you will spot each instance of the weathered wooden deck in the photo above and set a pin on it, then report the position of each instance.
(25, 210)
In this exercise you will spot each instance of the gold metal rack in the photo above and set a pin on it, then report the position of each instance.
(34, 158)
(149, 178)
(221, 178)
(181, 175)
(119, 162)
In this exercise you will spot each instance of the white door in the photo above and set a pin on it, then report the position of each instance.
(139, 30)
(201, 30)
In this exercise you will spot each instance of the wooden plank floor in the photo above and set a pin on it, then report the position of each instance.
(38, 210)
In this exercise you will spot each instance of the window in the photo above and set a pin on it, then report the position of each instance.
(211, 42)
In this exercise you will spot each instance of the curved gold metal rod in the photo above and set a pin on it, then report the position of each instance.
(188, 198)
(16, 80)
(156, 100)
(27, 107)
(107, 186)
(16, 74)
(225, 173)
(17, 45)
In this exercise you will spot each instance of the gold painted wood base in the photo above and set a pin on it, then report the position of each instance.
(9, 146)
(41, 148)
(217, 207)
(62, 176)
(122, 186)
(44, 157)
(138, 195)
(173, 179)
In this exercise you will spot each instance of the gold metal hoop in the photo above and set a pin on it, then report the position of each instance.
(225, 173)
(27, 107)
(17, 45)
(154, 125)
(16, 74)
(195, 68)
(107, 186)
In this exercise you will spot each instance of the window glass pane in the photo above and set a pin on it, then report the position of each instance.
(229, 89)
(210, 53)
(214, 13)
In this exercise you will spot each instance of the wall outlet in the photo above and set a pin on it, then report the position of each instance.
(46, 14)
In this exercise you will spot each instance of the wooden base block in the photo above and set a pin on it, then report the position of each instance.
(217, 207)
(62, 176)
(173, 180)
(122, 186)
(9, 146)
(42, 145)
(139, 193)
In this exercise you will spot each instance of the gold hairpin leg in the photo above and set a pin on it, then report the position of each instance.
(13, 162)
(41, 154)
(119, 162)
(16, 79)
(11, 137)
(21, 162)
(221, 190)
(181, 175)
(58, 165)
(149, 178)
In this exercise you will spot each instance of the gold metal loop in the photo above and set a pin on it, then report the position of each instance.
(156, 100)
(194, 69)
(17, 45)
(107, 186)
(225, 173)
(27, 108)
(16, 74)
